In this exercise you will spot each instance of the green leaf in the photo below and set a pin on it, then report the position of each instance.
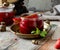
(37, 31)
(43, 33)
(33, 32)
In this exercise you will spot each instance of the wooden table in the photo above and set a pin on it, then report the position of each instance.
(49, 45)
(22, 44)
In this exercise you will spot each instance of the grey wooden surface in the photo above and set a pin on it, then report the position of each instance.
(23, 44)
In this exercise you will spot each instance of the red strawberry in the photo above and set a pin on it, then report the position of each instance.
(57, 45)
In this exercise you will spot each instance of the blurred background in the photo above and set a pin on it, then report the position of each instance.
(39, 5)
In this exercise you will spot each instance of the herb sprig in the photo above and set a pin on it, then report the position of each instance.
(41, 33)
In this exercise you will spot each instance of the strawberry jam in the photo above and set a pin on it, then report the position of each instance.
(7, 17)
(28, 24)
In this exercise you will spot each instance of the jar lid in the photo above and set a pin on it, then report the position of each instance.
(7, 9)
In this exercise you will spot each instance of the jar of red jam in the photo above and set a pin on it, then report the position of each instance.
(29, 24)
(6, 14)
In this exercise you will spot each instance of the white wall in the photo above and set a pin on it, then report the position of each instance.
(26, 2)
(39, 4)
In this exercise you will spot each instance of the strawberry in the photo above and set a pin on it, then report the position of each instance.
(57, 45)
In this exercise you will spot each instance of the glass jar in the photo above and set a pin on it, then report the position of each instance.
(6, 14)
(29, 24)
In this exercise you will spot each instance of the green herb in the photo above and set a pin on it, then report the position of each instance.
(33, 32)
(37, 31)
(41, 33)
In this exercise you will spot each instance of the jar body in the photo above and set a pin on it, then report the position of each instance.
(7, 17)
(30, 24)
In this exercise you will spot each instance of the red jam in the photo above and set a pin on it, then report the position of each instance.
(7, 17)
(26, 25)
(29, 24)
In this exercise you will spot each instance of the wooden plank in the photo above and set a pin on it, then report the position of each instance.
(49, 45)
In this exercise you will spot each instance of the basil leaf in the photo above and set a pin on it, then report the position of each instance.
(33, 32)
(43, 33)
(37, 31)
